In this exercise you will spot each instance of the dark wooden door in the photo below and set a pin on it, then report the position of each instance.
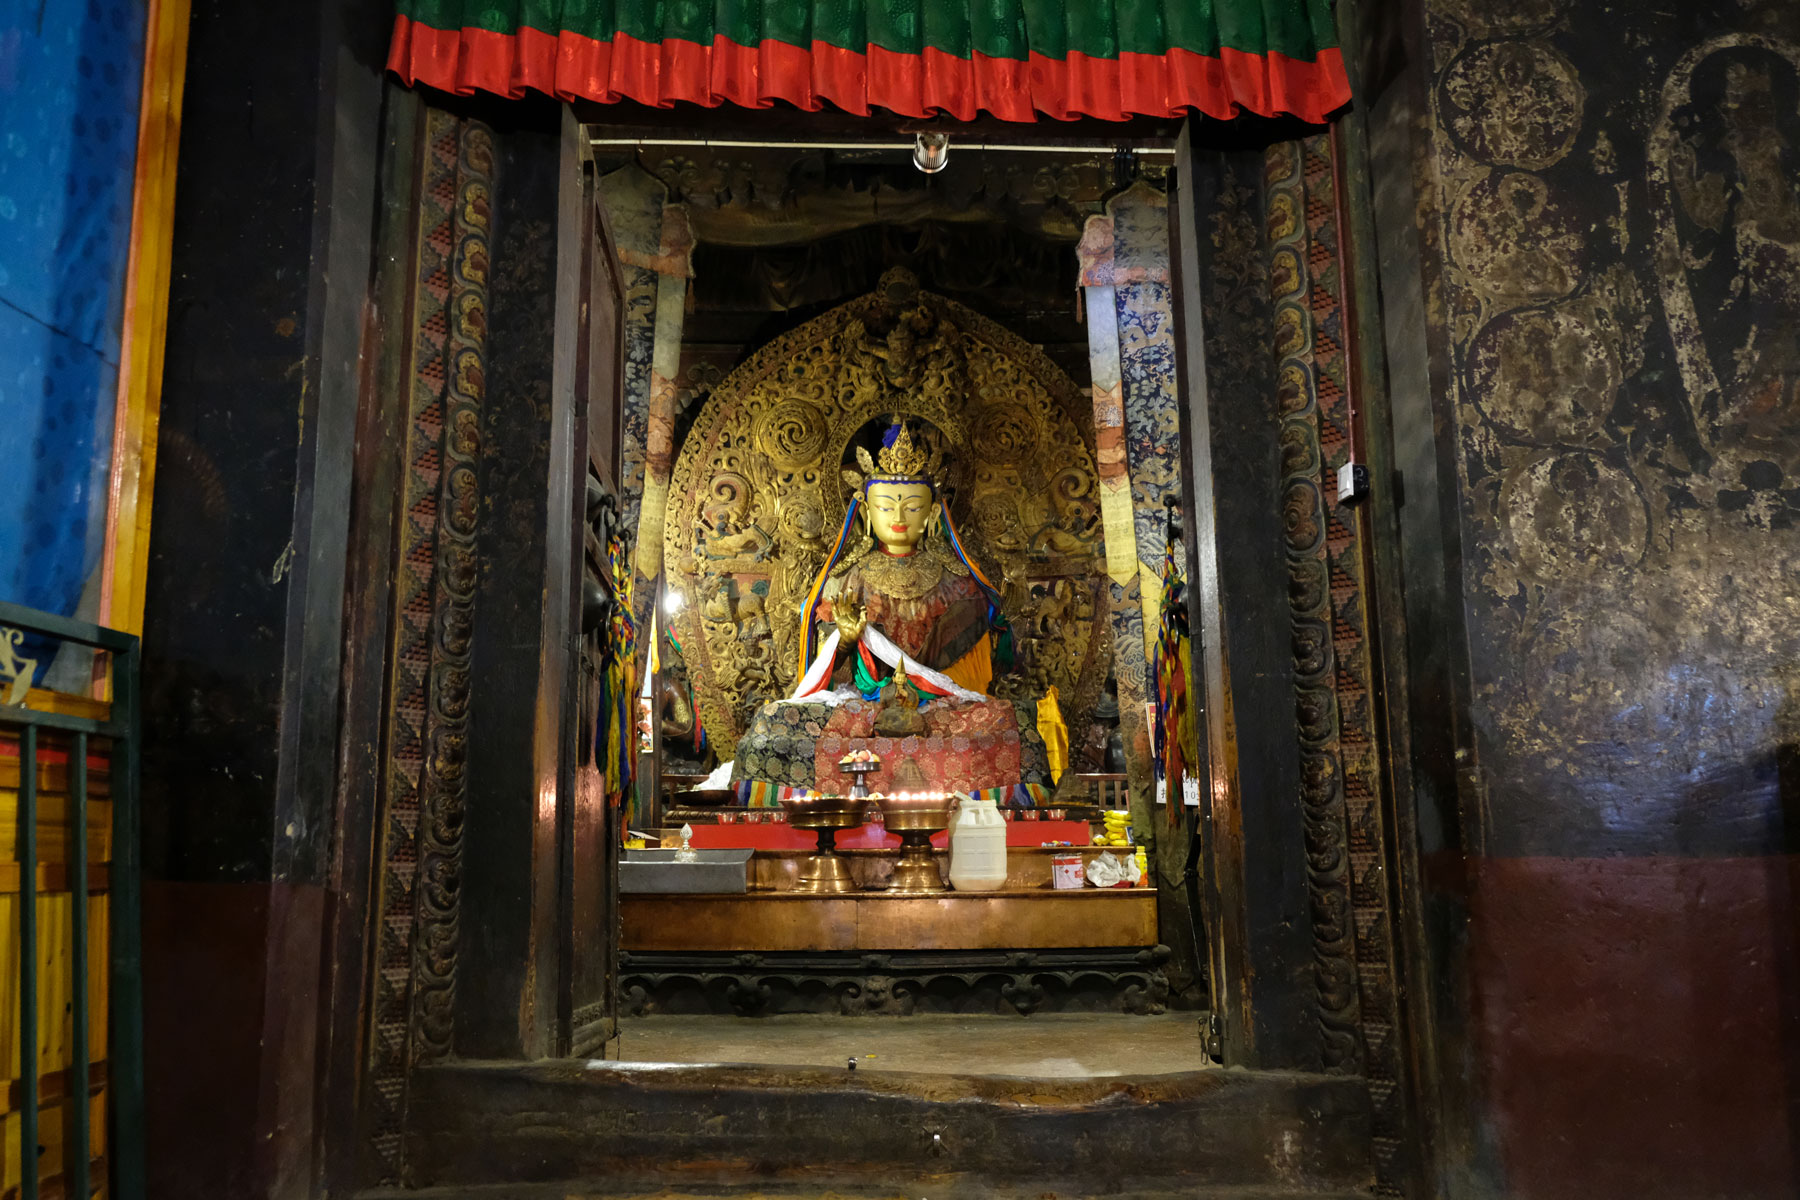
(1219, 876)
(589, 373)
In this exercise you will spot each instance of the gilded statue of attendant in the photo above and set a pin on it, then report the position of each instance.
(898, 594)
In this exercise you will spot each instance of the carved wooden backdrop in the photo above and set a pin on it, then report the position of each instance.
(756, 500)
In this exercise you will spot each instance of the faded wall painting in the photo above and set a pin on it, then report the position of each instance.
(1612, 234)
(1621, 289)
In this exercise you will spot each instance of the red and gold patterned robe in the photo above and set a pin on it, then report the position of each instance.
(933, 610)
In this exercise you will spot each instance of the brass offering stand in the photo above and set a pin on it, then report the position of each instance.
(827, 872)
(859, 773)
(915, 816)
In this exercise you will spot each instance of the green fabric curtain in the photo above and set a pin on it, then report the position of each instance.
(1016, 59)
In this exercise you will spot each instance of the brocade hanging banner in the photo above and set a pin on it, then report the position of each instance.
(1016, 59)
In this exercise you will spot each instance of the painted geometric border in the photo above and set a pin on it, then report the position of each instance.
(1340, 781)
(420, 844)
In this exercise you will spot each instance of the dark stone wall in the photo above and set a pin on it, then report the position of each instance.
(1605, 271)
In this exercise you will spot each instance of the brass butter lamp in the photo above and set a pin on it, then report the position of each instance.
(826, 873)
(915, 816)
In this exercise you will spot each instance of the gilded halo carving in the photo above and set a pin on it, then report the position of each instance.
(792, 434)
(756, 497)
(1005, 434)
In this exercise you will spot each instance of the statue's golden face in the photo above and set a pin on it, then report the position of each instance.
(898, 514)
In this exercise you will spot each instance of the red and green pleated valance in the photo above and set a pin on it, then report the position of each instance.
(1013, 58)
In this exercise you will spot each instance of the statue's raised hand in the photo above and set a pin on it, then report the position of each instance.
(851, 619)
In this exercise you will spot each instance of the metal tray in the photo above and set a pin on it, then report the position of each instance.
(720, 872)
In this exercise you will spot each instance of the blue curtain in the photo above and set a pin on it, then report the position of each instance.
(70, 73)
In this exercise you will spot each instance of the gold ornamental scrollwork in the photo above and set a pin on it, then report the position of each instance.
(757, 497)
(791, 434)
(1007, 433)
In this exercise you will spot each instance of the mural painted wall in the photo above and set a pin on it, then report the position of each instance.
(1612, 228)
(69, 83)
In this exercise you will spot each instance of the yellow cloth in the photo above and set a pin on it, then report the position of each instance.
(974, 670)
(1055, 734)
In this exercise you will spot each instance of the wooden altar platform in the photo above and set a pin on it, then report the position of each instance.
(1018, 919)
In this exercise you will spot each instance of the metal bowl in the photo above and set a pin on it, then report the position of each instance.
(822, 812)
(915, 812)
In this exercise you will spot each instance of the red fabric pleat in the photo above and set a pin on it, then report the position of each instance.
(947, 82)
(637, 73)
(1044, 76)
(583, 65)
(1090, 87)
(1003, 87)
(1311, 91)
(537, 58)
(1144, 83)
(1245, 81)
(732, 72)
(840, 76)
(686, 68)
(570, 67)
(894, 82)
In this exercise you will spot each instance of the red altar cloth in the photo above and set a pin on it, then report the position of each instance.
(772, 836)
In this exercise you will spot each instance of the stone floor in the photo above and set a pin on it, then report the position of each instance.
(1055, 1045)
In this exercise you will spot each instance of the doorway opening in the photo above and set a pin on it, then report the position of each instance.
(792, 308)
(749, 348)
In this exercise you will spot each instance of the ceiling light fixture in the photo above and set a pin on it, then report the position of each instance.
(931, 151)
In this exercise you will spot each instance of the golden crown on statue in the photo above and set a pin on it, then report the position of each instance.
(901, 458)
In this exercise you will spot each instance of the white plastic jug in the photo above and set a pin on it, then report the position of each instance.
(978, 847)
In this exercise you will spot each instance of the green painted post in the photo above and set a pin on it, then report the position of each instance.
(125, 960)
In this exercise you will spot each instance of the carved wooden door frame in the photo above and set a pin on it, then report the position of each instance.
(404, 1027)
(1308, 803)
(588, 375)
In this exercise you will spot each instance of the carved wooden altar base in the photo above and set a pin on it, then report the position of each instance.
(1024, 919)
(1018, 950)
(1124, 979)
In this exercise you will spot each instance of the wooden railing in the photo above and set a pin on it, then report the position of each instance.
(70, 951)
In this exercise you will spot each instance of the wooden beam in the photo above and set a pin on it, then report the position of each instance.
(139, 404)
(782, 122)
(53, 877)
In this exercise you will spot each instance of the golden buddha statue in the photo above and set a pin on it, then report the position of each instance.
(899, 607)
